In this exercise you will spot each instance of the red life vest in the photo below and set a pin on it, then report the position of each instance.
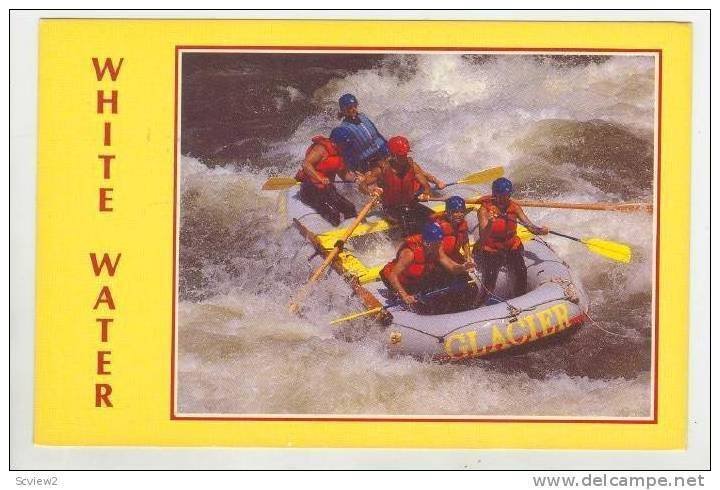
(399, 191)
(419, 266)
(455, 237)
(503, 231)
(328, 167)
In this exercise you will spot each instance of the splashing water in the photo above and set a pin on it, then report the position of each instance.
(576, 129)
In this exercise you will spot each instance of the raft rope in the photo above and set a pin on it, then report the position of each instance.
(569, 291)
(569, 294)
(568, 288)
(597, 325)
(486, 320)
(439, 338)
(514, 310)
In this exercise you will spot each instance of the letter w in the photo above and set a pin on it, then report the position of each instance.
(108, 66)
(105, 262)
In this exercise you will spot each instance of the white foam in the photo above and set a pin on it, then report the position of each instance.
(241, 352)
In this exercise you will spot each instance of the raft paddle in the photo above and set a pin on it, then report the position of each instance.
(279, 183)
(377, 309)
(618, 252)
(477, 178)
(480, 177)
(282, 182)
(295, 304)
(599, 206)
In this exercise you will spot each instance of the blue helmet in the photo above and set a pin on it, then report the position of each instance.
(454, 204)
(346, 101)
(341, 136)
(432, 233)
(502, 187)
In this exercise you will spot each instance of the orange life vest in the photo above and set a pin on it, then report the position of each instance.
(419, 267)
(328, 167)
(455, 237)
(503, 231)
(399, 191)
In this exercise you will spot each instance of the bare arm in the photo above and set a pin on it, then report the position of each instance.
(316, 154)
(428, 176)
(420, 176)
(370, 179)
(484, 224)
(449, 264)
(524, 220)
(404, 261)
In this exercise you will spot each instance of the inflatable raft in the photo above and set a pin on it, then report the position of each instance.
(555, 303)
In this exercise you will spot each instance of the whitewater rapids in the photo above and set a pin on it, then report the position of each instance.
(569, 129)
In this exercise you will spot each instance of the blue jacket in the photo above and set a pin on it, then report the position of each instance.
(367, 143)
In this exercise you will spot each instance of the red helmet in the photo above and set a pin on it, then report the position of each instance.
(399, 146)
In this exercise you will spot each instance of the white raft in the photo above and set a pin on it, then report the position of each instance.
(555, 302)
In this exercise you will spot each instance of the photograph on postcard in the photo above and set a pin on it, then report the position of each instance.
(416, 234)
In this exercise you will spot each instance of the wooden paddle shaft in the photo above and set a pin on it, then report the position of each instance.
(626, 207)
(623, 207)
(333, 253)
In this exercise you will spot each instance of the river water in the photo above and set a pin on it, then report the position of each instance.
(573, 128)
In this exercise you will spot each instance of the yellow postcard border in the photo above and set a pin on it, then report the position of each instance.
(65, 415)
